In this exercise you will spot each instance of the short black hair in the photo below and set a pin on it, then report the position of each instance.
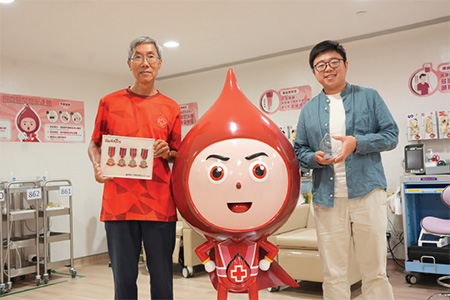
(423, 74)
(326, 46)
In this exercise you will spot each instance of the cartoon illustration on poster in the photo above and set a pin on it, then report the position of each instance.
(444, 124)
(429, 125)
(38, 119)
(28, 123)
(426, 81)
(413, 125)
(270, 101)
(285, 99)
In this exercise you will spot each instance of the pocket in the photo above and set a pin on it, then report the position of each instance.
(381, 196)
(363, 121)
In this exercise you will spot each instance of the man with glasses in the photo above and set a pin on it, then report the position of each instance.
(137, 211)
(348, 189)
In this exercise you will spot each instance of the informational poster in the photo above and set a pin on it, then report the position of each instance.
(39, 119)
(285, 99)
(189, 114)
(426, 81)
(430, 125)
(444, 124)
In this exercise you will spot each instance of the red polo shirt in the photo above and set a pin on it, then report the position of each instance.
(124, 113)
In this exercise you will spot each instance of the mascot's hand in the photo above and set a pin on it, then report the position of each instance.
(22, 135)
(210, 266)
(264, 264)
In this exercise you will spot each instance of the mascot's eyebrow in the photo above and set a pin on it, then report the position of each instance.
(250, 157)
(218, 157)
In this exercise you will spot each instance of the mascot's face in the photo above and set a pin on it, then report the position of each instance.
(236, 175)
(238, 184)
(28, 125)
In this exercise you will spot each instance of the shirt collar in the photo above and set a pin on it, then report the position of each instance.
(345, 92)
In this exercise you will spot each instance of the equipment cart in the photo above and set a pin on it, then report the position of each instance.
(421, 198)
(22, 198)
(60, 189)
(2, 206)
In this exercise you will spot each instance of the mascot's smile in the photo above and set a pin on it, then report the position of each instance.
(239, 207)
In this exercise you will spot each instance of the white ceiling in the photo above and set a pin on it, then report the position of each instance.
(94, 34)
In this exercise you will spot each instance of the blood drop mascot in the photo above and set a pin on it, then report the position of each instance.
(235, 181)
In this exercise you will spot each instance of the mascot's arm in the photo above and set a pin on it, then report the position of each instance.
(202, 253)
(272, 251)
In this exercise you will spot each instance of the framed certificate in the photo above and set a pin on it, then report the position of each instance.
(127, 157)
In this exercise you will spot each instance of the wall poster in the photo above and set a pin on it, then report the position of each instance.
(40, 119)
(285, 99)
(426, 81)
(189, 113)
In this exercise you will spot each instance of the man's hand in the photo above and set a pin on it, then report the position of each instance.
(320, 158)
(98, 175)
(94, 152)
(161, 149)
(349, 144)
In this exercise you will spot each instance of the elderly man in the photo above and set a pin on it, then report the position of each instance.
(139, 210)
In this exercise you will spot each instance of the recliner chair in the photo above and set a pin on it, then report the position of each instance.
(441, 228)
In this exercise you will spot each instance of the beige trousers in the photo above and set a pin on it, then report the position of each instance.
(360, 223)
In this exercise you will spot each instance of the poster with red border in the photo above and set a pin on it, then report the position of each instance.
(285, 99)
(41, 119)
(426, 81)
(189, 113)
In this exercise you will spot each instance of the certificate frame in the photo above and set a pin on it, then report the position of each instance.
(127, 157)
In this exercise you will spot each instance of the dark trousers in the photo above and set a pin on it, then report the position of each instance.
(124, 245)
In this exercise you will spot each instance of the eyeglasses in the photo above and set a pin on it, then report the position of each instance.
(333, 63)
(140, 59)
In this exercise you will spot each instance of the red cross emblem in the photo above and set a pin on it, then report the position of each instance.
(238, 271)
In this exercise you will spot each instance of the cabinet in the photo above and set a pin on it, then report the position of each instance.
(26, 229)
(61, 189)
(421, 198)
(20, 211)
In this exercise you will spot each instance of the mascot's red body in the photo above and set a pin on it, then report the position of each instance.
(235, 181)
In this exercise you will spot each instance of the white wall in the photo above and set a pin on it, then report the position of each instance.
(385, 63)
(68, 161)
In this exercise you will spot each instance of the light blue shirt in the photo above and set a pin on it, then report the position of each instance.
(368, 119)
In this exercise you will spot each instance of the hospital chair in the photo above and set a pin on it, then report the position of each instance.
(441, 228)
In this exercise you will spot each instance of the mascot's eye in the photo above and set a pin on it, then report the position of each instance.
(259, 171)
(217, 173)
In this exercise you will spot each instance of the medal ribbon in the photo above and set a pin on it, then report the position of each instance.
(133, 153)
(144, 153)
(111, 151)
(123, 152)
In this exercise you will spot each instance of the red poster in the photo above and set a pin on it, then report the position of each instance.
(40, 119)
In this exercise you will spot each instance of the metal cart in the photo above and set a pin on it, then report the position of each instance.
(62, 188)
(421, 198)
(2, 206)
(22, 198)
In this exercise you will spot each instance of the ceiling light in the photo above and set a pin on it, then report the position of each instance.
(171, 44)
(7, 1)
